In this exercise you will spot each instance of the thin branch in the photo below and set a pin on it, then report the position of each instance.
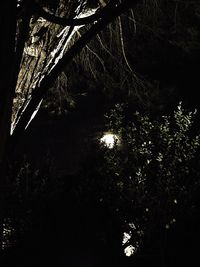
(95, 54)
(121, 66)
(137, 80)
(122, 45)
(134, 21)
(175, 17)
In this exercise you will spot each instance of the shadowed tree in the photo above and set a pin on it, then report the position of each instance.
(39, 41)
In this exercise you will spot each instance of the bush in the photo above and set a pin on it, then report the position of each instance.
(150, 178)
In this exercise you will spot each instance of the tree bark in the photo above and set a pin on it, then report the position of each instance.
(45, 84)
(7, 54)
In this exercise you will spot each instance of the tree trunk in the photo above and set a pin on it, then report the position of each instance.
(7, 54)
(40, 91)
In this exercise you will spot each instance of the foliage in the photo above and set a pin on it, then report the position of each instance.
(150, 179)
(29, 189)
(155, 164)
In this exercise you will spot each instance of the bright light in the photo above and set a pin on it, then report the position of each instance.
(129, 251)
(109, 140)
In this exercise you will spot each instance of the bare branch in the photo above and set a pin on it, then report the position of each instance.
(71, 21)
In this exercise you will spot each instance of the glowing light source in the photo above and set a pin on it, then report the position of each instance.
(129, 251)
(109, 140)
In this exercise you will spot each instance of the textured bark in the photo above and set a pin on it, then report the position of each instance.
(50, 76)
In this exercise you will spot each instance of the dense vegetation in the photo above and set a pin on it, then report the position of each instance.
(133, 203)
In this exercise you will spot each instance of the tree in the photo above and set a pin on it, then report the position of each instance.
(38, 43)
(41, 37)
(33, 33)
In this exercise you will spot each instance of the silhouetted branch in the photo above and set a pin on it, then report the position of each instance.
(43, 87)
(71, 21)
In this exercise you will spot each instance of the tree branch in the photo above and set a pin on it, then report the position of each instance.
(40, 91)
(71, 21)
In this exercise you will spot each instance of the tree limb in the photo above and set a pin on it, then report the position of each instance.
(71, 21)
(40, 91)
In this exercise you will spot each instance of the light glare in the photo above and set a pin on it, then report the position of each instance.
(129, 251)
(109, 140)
